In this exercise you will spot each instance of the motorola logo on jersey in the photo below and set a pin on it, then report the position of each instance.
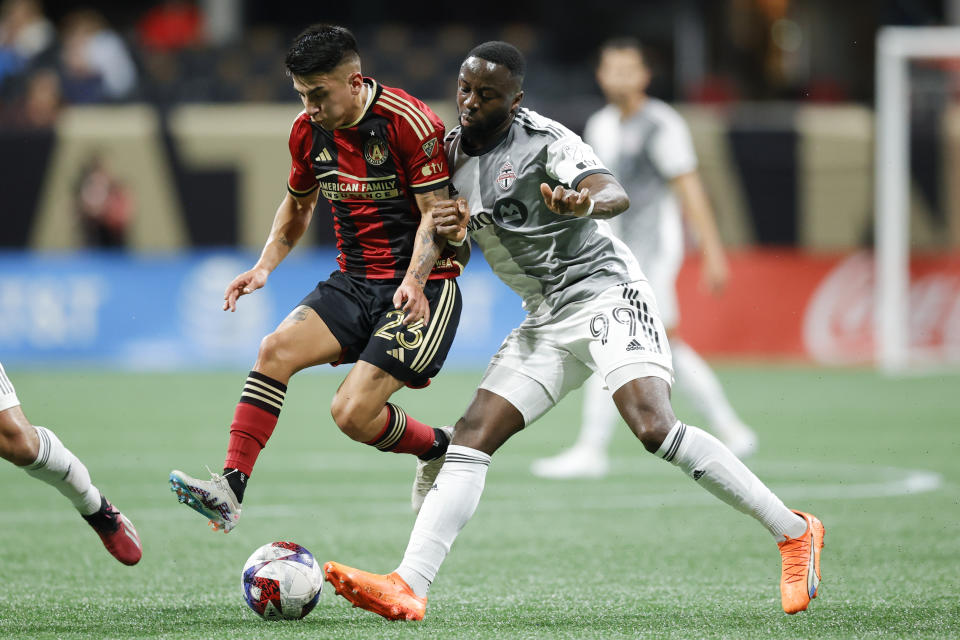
(479, 221)
(509, 213)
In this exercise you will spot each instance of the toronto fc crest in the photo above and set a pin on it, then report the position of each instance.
(375, 151)
(506, 177)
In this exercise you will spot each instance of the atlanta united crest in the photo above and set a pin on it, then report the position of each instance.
(506, 177)
(375, 151)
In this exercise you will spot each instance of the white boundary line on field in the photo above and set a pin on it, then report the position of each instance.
(893, 482)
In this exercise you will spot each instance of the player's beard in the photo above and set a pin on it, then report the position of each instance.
(479, 132)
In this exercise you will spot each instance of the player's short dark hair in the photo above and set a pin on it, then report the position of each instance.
(504, 53)
(623, 42)
(320, 48)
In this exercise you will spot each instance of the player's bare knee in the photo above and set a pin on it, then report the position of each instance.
(650, 424)
(351, 417)
(482, 435)
(272, 349)
(277, 357)
(645, 406)
(17, 444)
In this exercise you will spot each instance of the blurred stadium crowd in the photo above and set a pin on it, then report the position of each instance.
(55, 53)
(160, 129)
(750, 76)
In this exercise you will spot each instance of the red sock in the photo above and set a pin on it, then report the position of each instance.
(253, 421)
(249, 432)
(403, 434)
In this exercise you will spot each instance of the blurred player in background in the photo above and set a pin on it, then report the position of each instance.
(535, 193)
(39, 452)
(647, 145)
(376, 155)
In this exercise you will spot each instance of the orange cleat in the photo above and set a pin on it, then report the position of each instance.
(386, 595)
(800, 574)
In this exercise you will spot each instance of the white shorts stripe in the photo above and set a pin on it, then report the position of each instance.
(8, 395)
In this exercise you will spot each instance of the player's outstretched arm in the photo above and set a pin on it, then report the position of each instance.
(290, 222)
(426, 249)
(696, 207)
(599, 196)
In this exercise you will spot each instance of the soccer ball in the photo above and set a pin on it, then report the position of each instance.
(281, 580)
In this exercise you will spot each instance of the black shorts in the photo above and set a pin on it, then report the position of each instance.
(360, 314)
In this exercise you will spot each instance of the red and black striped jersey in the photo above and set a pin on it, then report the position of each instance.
(369, 173)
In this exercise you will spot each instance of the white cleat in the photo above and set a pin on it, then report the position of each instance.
(577, 462)
(213, 498)
(427, 471)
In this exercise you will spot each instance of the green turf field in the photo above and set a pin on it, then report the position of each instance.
(643, 553)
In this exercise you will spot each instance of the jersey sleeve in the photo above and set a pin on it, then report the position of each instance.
(570, 160)
(420, 142)
(302, 181)
(671, 148)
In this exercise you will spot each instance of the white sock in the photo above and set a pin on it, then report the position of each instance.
(445, 511)
(599, 416)
(712, 466)
(57, 466)
(696, 380)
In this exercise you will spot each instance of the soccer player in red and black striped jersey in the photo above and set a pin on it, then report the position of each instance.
(375, 155)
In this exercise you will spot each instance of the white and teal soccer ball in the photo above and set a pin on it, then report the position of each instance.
(281, 580)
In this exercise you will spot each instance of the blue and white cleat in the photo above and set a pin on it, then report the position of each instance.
(213, 498)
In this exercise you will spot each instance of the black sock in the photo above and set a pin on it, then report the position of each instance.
(440, 443)
(237, 481)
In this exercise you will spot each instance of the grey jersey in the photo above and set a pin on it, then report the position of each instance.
(645, 151)
(549, 260)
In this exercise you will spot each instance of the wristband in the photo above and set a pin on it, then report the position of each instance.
(589, 209)
(457, 243)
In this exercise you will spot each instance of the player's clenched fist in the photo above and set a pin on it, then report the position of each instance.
(567, 201)
(450, 219)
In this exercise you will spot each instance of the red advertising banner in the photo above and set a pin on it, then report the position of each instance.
(791, 304)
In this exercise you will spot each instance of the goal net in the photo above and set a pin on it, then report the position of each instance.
(917, 318)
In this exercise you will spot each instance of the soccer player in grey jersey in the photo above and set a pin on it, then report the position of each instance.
(646, 143)
(536, 195)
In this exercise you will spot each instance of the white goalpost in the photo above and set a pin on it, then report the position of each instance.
(896, 46)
